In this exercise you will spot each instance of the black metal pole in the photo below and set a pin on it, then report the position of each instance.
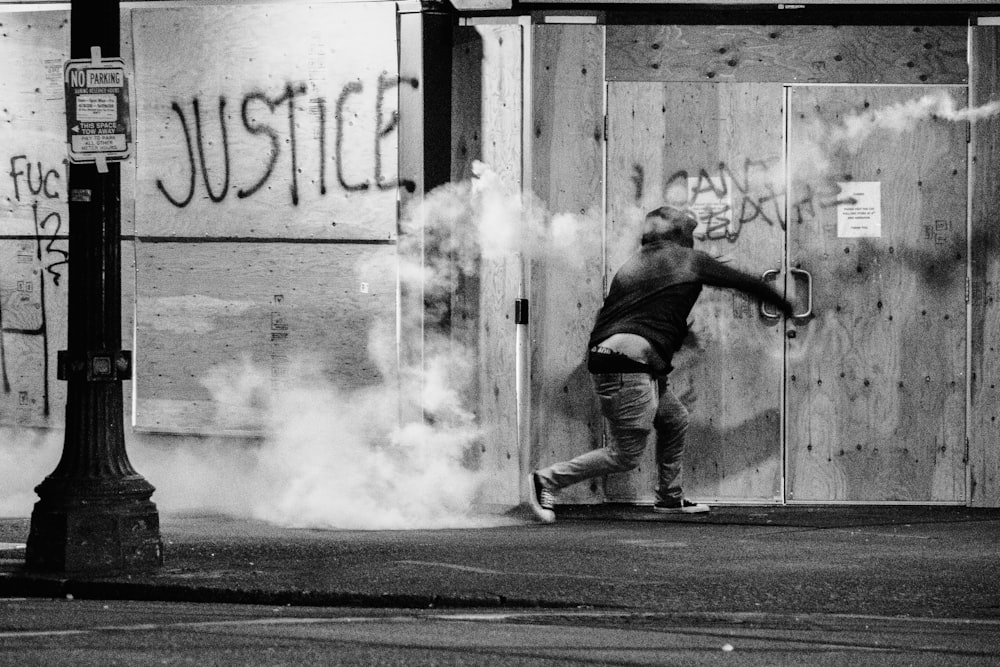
(94, 511)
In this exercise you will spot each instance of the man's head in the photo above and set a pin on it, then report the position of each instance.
(669, 223)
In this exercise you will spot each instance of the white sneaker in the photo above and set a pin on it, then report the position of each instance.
(542, 500)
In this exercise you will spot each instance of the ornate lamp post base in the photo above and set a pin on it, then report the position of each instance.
(111, 530)
(94, 512)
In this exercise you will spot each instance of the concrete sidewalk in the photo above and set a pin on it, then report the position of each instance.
(898, 561)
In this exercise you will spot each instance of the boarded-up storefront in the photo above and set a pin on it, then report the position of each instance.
(277, 147)
(277, 144)
(259, 207)
(834, 160)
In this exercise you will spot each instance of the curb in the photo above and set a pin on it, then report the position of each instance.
(21, 586)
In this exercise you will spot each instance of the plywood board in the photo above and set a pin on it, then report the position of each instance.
(721, 146)
(34, 291)
(33, 47)
(467, 74)
(984, 417)
(205, 306)
(497, 400)
(788, 53)
(568, 174)
(876, 379)
(266, 121)
(487, 126)
(34, 220)
(33, 319)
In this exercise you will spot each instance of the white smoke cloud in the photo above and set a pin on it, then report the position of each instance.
(395, 455)
(333, 458)
(26, 457)
(904, 117)
(820, 140)
(398, 455)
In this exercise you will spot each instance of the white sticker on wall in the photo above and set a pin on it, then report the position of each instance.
(859, 209)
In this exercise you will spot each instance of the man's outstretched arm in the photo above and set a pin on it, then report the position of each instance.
(713, 272)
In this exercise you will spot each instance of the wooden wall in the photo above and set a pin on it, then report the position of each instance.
(568, 176)
(487, 126)
(229, 249)
(984, 418)
(787, 54)
(876, 379)
(307, 94)
(33, 216)
(914, 55)
(259, 207)
(265, 197)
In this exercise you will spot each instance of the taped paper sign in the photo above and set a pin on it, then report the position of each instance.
(859, 210)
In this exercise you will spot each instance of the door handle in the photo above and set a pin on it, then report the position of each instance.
(809, 299)
(763, 306)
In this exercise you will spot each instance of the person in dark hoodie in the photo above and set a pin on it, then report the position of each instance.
(642, 323)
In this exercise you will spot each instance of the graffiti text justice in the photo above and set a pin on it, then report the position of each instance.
(275, 119)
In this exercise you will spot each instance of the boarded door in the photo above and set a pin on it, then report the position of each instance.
(719, 148)
(876, 381)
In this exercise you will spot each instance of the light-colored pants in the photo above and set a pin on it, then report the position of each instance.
(633, 404)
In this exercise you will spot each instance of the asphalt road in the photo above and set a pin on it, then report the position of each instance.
(92, 632)
(916, 563)
(607, 586)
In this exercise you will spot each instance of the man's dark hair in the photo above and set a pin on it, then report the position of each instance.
(669, 223)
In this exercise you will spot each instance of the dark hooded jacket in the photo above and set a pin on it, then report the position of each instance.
(654, 292)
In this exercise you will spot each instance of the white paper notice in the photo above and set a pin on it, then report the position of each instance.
(859, 209)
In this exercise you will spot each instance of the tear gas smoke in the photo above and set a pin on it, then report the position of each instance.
(26, 457)
(904, 117)
(811, 161)
(329, 457)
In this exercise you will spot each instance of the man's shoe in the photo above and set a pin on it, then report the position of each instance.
(542, 500)
(680, 506)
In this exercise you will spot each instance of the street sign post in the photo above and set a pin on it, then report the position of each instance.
(97, 110)
(94, 511)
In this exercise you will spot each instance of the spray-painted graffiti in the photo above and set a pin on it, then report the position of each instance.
(713, 194)
(40, 188)
(45, 182)
(273, 117)
(727, 197)
(823, 196)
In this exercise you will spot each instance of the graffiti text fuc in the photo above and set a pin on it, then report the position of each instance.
(281, 132)
(36, 179)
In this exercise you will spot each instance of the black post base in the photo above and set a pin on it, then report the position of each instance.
(106, 533)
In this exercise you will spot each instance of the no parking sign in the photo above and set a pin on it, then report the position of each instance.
(97, 110)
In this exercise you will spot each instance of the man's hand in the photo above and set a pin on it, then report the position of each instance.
(787, 309)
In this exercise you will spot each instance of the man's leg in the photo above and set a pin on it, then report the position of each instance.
(671, 430)
(672, 419)
(628, 402)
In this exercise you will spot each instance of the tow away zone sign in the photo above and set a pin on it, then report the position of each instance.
(97, 110)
